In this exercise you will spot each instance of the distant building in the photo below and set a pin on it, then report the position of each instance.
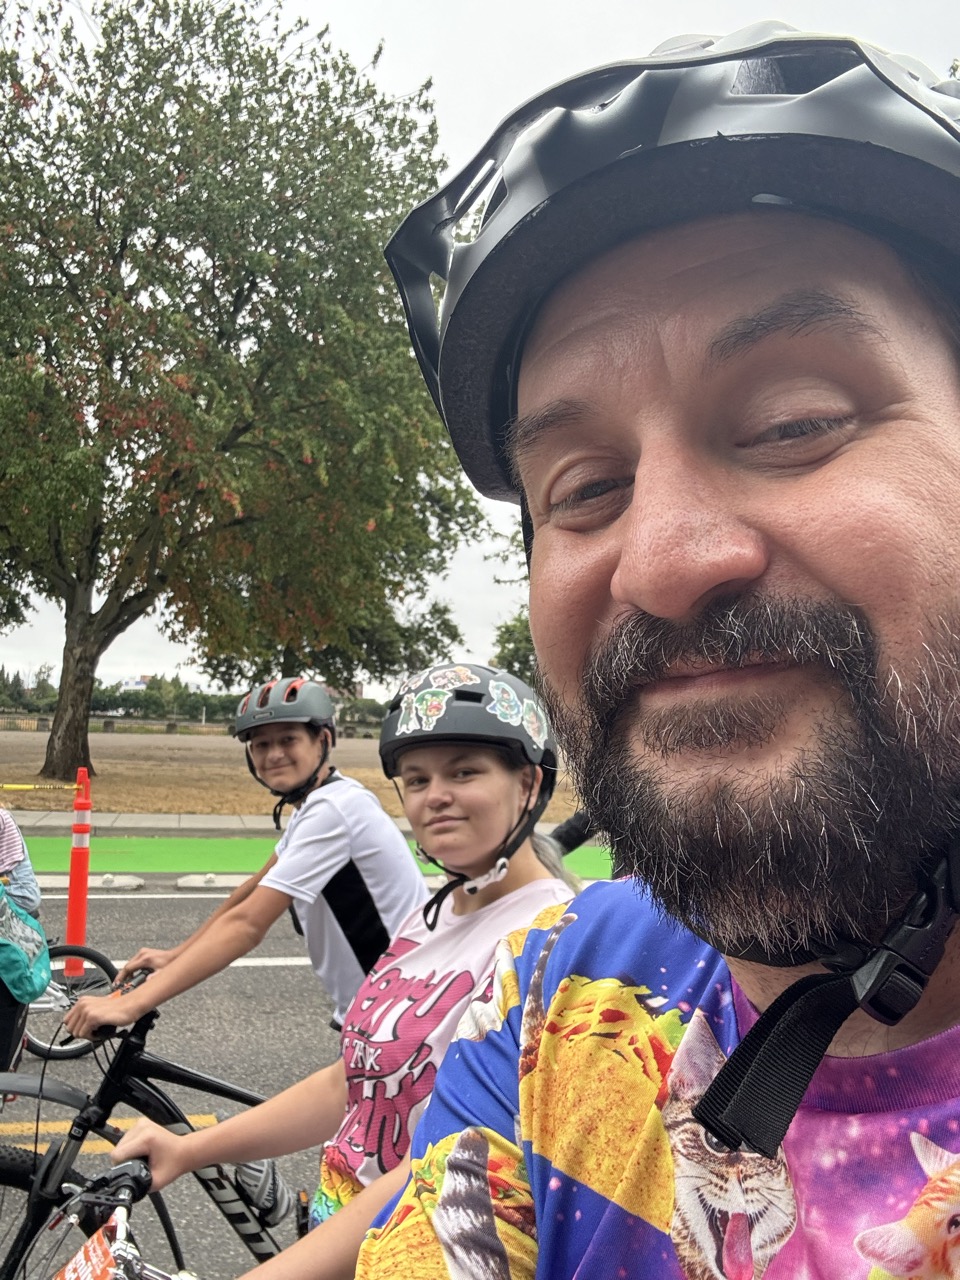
(131, 686)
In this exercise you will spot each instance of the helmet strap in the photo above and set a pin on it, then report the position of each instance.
(757, 1092)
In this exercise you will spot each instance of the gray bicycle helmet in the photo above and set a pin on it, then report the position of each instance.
(463, 702)
(294, 700)
(704, 126)
(290, 701)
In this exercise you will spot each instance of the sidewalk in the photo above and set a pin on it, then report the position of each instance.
(33, 822)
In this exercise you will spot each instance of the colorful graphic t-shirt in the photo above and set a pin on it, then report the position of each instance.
(559, 1141)
(399, 1025)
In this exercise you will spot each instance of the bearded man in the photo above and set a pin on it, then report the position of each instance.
(707, 336)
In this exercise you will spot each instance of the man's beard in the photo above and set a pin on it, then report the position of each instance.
(831, 844)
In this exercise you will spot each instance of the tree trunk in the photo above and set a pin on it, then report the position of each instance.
(290, 662)
(68, 747)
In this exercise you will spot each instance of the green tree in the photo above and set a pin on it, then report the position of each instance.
(207, 398)
(15, 691)
(514, 643)
(105, 697)
(43, 696)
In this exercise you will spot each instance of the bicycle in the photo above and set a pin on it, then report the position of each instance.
(34, 1189)
(111, 1249)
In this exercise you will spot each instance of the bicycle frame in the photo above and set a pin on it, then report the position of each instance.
(130, 1079)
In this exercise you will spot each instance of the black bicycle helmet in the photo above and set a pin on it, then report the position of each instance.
(464, 702)
(294, 700)
(704, 126)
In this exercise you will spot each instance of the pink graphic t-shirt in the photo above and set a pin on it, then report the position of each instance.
(399, 1025)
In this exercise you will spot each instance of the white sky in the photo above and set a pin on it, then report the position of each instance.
(484, 59)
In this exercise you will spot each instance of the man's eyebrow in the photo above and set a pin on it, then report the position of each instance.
(528, 429)
(792, 314)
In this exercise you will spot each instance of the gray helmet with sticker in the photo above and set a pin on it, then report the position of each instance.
(291, 701)
(463, 702)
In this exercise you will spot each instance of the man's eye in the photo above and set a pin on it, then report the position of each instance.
(593, 492)
(801, 428)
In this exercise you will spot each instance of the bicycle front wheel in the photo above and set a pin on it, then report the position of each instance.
(45, 1016)
(35, 1240)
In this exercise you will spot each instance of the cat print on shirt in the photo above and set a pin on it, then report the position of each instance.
(734, 1210)
(463, 1218)
(926, 1242)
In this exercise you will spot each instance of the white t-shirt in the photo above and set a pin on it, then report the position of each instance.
(400, 1023)
(352, 879)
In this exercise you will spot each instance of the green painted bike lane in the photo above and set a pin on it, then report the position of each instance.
(185, 855)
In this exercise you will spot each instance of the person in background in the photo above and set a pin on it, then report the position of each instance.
(20, 883)
(16, 869)
(342, 864)
(471, 752)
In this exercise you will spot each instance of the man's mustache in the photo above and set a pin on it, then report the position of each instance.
(733, 632)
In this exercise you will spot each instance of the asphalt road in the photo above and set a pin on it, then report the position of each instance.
(262, 1026)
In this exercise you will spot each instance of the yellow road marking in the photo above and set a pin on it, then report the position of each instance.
(93, 1146)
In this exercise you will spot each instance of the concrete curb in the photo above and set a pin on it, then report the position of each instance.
(109, 881)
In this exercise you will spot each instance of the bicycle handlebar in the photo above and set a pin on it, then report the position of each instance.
(126, 1183)
(108, 1030)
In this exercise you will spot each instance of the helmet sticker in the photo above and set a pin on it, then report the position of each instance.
(408, 722)
(535, 722)
(453, 677)
(431, 704)
(413, 681)
(505, 704)
(422, 710)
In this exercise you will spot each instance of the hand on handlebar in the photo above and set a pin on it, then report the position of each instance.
(152, 958)
(163, 1151)
(124, 1005)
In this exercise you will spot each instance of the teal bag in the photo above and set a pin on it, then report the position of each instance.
(24, 956)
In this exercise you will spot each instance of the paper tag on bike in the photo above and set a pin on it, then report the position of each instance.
(95, 1261)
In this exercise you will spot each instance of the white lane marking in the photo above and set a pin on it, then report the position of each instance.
(126, 895)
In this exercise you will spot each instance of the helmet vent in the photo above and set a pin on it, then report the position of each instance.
(793, 73)
(468, 695)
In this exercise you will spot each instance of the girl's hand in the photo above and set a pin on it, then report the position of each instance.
(163, 1151)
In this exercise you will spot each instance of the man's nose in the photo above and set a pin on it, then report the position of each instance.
(687, 538)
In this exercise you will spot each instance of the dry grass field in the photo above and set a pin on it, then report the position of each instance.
(186, 773)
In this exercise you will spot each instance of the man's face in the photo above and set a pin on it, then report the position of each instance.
(740, 445)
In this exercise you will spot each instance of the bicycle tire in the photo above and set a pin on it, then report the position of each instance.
(45, 1016)
(17, 1172)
